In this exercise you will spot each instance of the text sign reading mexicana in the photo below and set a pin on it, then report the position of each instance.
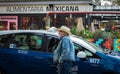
(45, 8)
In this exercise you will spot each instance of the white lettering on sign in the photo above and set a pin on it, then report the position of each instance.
(13, 9)
(40, 8)
(25, 9)
(22, 51)
(66, 8)
(94, 60)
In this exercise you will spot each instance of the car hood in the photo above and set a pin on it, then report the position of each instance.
(114, 56)
(112, 53)
(109, 56)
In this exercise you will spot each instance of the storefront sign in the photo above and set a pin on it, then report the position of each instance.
(44, 8)
(67, 8)
(25, 9)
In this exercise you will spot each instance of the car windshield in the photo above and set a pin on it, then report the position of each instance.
(96, 47)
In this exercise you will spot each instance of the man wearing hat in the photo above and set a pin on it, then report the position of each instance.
(64, 55)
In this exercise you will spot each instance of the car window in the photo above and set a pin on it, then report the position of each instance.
(93, 45)
(21, 42)
(26, 42)
(4, 39)
(52, 43)
(80, 48)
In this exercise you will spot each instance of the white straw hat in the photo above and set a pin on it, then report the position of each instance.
(65, 29)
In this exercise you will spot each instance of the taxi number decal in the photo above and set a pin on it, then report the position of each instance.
(95, 61)
(22, 51)
(12, 46)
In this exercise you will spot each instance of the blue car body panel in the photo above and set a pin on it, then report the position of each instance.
(30, 62)
(19, 61)
(27, 62)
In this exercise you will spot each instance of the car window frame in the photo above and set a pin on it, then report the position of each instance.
(49, 35)
(26, 33)
(6, 40)
(80, 46)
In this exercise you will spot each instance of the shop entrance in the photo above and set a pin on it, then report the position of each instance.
(31, 22)
(8, 23)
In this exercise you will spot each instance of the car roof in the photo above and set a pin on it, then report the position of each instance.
(27, 31)
(55, 33)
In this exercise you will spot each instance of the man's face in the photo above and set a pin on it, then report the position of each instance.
(61, 33)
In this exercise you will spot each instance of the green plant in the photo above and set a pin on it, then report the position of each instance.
(97, 34)
(73, 30)
(115, 34)
(86, 34)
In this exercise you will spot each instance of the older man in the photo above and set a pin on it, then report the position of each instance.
(64, 54)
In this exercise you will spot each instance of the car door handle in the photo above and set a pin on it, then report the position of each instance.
(39, 57)
(94, 65)
(48, 59)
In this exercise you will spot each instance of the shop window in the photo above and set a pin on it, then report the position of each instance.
(12, 26)
(29, 23)
(3, 25)
(25, 23)
(47, 22)
(34, 23)
(68, 22)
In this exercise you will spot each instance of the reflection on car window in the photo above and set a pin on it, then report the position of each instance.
(26, 42)
(97, 47)
(52, 43)
(93, 45)
(3, 40)
(35, 42)
(80, 48)
(21, 43)
(88, 53)
(76, 49)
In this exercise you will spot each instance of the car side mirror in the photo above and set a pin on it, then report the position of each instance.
(81, 54)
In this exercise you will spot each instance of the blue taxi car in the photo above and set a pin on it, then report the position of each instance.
(31, 52)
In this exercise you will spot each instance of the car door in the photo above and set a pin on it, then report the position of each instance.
(12, 59)
(40, 61)
(52, 42)
(81, 66)
(91, 64)
(28, 54)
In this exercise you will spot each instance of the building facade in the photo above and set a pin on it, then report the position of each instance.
(30, 14)
(38, 14)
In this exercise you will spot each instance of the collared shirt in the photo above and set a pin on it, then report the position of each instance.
(65, 50)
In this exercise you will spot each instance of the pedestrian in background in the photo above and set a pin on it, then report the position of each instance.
(64, 55)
